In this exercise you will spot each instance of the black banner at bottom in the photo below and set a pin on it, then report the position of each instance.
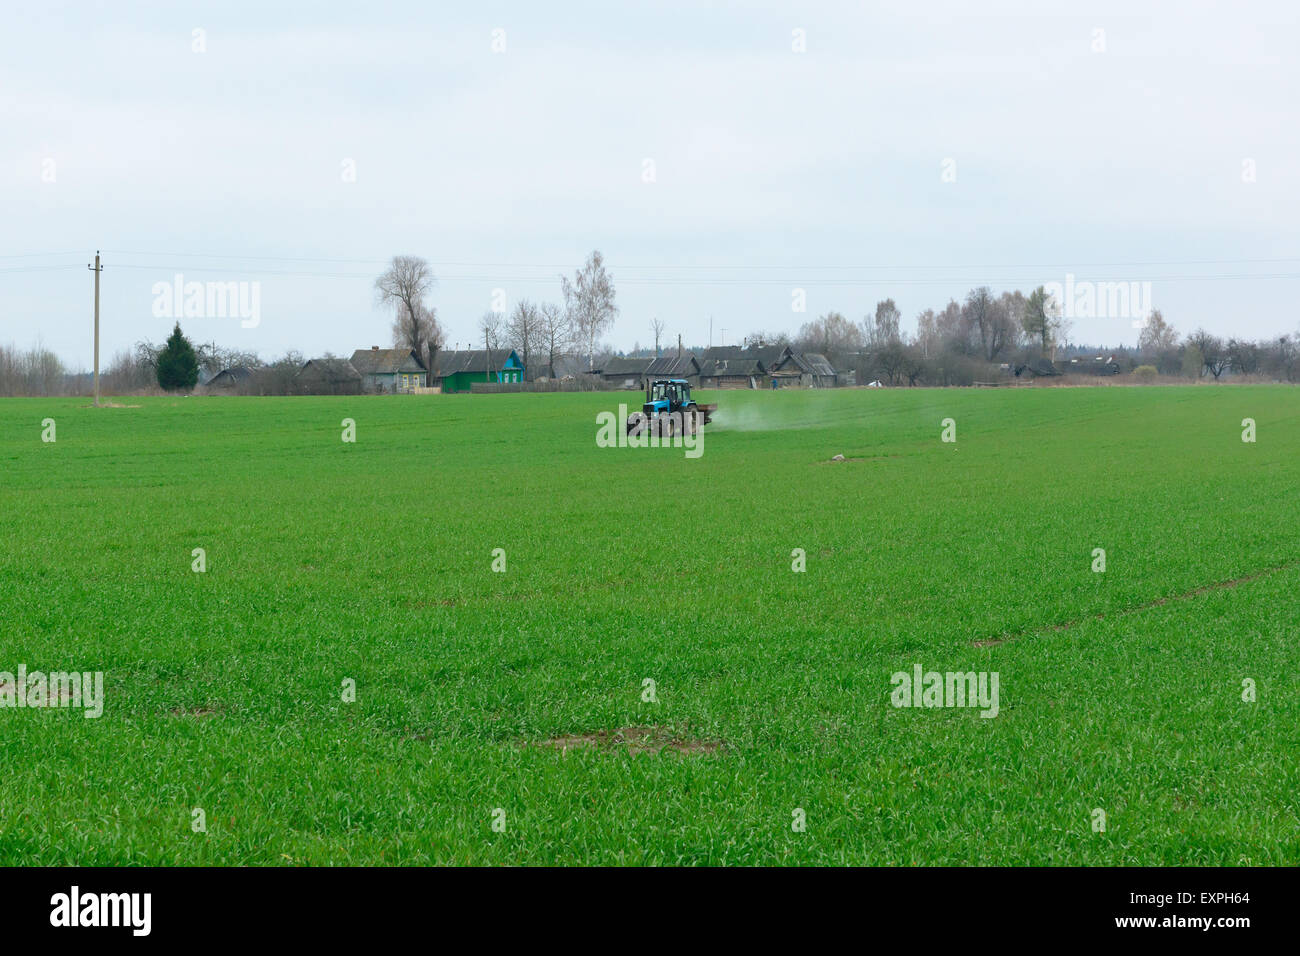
(339, 905)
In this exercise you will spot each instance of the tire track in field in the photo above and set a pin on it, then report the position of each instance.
(1138, 608)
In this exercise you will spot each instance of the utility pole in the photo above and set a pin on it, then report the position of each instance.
(97, 269)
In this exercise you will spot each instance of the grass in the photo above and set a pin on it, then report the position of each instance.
(372, 561)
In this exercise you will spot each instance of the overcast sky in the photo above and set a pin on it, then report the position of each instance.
(1121, 154)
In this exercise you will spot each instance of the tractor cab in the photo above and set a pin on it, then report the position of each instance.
(667, 395)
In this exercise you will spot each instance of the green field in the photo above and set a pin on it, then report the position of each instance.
(372, 561)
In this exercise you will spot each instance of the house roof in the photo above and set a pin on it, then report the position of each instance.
(807, 363)
(386, 361)
(819, 364)
(765, 355)
(330, 369)
(236, 373)
(746, 367)
(667, 366)
(472, 360)
(619, 365)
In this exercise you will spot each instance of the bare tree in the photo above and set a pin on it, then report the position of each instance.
(1157, 335)
(490, 326)
(1036, 320)
(657, 327)
(885, 328)
(403, 286)
(829, 334)
(1060, 325)
(950, 328)
(523, 331)
(1284, 357)
(133, 370)
(276, 378)
(1243, 356)
(1004, 324)
(913, 366)
(927, 333)
(889, 358)
(555, 333)
(1213, 353)
(1014, 306)
(37, 371)
(833, 336)
(589, 302)
(213, 358)
(978, 312)
(758, 340)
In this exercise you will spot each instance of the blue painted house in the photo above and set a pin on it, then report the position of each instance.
(457, 371)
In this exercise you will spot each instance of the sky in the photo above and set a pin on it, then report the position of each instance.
(731, 161)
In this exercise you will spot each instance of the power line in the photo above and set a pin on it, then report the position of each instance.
(720, 266)
(207, 255)
(741, 280)
(793, 281)
(38, 255)
(18, 269)
(795, 275)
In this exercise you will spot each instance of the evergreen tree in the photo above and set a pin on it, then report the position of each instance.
(178, 366)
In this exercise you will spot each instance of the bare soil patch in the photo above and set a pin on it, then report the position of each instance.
(637, 740)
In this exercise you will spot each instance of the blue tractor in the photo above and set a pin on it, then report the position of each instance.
(669, 410)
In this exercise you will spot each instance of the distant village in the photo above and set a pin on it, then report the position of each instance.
(400, 370)
(987, 339)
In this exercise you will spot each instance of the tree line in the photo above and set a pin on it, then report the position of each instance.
(974, 339)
